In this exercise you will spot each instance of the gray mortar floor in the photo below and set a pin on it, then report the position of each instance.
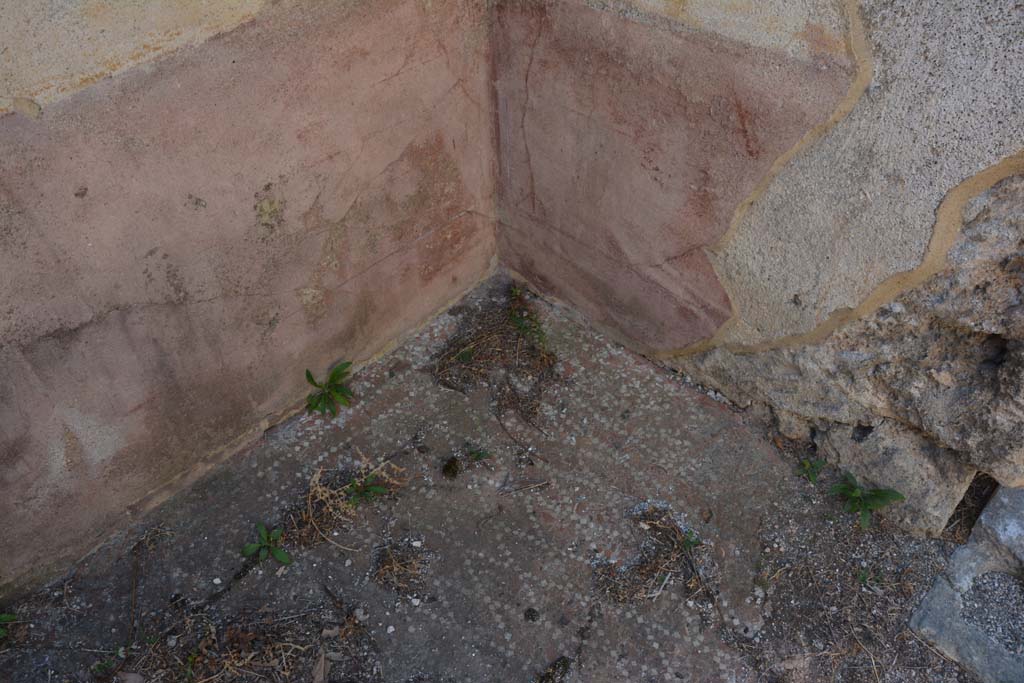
(509, 547)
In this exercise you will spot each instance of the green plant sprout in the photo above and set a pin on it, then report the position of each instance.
(864, 501)
(478, 454)
(331, 393)
(365, 490)
(525, 320)
(269, 544)
(810, 469)
(6, 618)
(864, 578)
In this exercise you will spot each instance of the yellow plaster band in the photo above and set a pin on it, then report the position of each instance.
(948, 224)
(860, 51)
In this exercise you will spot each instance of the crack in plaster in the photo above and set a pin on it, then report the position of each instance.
(99, 316)
(526, 109)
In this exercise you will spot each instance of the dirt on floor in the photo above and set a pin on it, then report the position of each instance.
(837, 598)
(511, 497)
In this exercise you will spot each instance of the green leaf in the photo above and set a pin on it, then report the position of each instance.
(865, 519)
(276, 534)
(339, 397)
(339, 373)
(322, 403)
(376, 490)
(3, 633)
(309, 378)
(250, 549)
(879, 498)
(280, 555)
(263, 531)
(7, 618)
(264, 551)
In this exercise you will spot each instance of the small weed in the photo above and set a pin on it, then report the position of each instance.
(269, 544)
(6, 618)
(668, 553)
(524, 320)
(810, 469)
(478, 454)
(103, 667)
(503, 346)
(864, 501)
(190, 666)
(331, 393)
(365, 490)
(454, 465)
(333, 497)
(864, 577)
(691, 540)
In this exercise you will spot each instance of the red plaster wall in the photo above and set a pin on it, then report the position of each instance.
(179, 243)
(625, 147)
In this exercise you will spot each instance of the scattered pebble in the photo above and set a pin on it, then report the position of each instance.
(995, 603)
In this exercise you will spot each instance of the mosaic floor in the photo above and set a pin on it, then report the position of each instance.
(610, 535)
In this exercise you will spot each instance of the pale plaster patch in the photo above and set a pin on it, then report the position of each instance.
(50, 49)
(804, 29)
(857, 208)
(80, 439)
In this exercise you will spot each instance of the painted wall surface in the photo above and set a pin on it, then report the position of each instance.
(767, 196)
(179, 242)
(625, 147)
(746, 189)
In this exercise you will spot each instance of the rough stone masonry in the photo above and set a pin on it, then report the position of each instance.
(927, 390)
